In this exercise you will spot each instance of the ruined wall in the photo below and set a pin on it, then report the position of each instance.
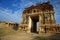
(44, 14)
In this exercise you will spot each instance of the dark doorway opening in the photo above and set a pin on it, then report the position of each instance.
(34, 26)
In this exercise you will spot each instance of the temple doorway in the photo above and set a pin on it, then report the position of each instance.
(34, 25)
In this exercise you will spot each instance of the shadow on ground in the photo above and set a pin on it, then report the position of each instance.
(55, 36)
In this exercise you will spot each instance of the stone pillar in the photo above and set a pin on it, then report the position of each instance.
(40, 19)
(41, 28)
(7, 25)
(52, 18)
(29, 24)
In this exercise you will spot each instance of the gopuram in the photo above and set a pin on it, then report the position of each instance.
(42, 13)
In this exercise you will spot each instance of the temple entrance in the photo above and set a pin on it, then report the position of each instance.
(34, 26)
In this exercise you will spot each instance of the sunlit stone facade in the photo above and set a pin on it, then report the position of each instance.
(42, 13)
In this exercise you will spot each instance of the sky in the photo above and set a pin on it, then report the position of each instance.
(11, 10)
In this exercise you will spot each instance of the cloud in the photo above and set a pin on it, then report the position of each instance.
(8, 15)
(26, 3)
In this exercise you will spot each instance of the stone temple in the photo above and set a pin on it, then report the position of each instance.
(42, 13)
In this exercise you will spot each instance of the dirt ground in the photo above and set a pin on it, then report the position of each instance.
(27, 36)
(19, 36)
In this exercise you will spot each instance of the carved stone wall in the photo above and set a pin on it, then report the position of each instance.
(42, 13)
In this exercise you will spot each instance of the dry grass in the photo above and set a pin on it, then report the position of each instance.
(4, 31)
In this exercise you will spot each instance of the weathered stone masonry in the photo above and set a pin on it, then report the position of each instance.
(42, 13)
